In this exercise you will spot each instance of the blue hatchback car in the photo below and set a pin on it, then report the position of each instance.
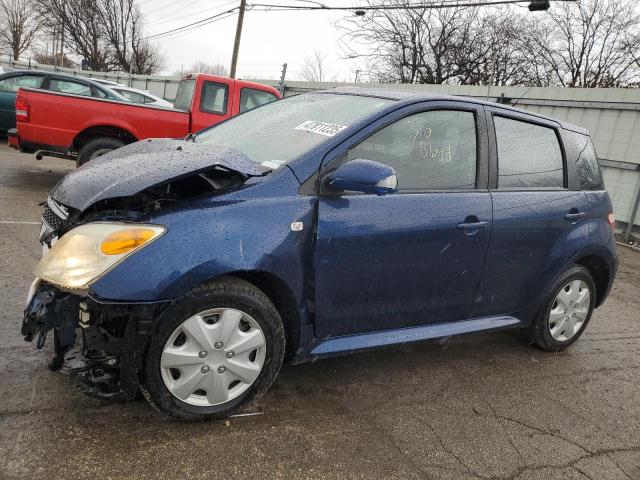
(321, 224)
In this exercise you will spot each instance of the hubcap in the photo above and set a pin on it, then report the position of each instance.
(213, 357)
(569, 310)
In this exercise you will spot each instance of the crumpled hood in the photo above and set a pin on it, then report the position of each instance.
(141, 165)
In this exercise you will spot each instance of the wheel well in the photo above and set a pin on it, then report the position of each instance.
(102, 131)
(599, 269)
(282, 297)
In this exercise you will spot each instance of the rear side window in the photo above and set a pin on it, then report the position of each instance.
(529, 155)
(434, 150)
(134, 97)
(12, 84)
(214, 98)
(66, 86)
(582, 152)
(251, 98)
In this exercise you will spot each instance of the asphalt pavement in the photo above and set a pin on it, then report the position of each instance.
(481, 406)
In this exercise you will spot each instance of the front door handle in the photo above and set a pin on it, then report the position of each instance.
(466, 226)
(572, 217)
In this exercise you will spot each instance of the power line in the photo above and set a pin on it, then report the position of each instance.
(189, 15)
(197, 24)
(415, 6)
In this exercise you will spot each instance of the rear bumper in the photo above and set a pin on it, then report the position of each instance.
(613, 270)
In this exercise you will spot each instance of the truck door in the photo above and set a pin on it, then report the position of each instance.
(212, 104)
(416, 256)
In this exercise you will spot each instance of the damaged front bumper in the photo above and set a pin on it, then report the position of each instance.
(101, 343)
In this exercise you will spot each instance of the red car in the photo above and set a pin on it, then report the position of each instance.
(81, 128)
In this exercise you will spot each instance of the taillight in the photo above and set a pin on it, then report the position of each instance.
(22, 110)
(612, 221)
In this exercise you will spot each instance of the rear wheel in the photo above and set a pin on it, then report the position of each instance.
(214, 351)
(566, 311)
(96, 148)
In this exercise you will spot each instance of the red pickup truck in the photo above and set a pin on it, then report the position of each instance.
(81, 128)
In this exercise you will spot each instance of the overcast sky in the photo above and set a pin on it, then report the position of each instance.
(268, 38)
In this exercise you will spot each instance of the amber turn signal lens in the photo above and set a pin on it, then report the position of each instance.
(123, 241)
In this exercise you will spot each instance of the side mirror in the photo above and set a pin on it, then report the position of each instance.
(365, 176)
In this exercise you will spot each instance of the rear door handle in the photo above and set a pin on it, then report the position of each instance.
(472, 225)
(572, 217)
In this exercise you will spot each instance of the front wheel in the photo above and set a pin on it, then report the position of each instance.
(214, 351)
(566, 310)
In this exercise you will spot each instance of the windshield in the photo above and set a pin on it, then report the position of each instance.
(282, 131)
(184, 95)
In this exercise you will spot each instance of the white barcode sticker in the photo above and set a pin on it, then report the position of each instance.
(321, 128)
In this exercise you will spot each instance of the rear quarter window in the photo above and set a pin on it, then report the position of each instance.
(581, 151)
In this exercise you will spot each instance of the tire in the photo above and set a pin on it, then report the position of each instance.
(96, 148)
(547, 330)
(215, 300)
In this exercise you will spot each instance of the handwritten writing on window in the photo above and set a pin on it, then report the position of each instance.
(428, 149)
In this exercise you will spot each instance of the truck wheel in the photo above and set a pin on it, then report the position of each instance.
(213, 351)
(96, 148)
(565, 311)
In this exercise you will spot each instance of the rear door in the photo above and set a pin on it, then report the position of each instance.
(538, 212)
(416, 256)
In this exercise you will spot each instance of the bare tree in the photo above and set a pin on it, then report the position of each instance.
(108, 34)
(591, 44)
(84, 29)
(18, 25)
(210, 68)
(413, 45)
(313, 67)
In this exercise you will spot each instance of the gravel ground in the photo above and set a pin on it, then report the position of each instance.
(481, 406)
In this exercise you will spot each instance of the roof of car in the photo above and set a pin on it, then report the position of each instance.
(408, 96)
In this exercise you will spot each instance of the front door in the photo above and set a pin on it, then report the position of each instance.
(416, 256)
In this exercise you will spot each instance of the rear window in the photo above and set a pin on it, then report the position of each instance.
(529, 155)
(251, 98)
(582, 151)
(184, 95)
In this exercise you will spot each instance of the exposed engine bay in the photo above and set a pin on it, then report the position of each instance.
(97, 340)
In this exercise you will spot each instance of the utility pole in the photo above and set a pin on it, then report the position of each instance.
(236, 43)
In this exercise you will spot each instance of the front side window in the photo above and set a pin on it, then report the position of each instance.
(12, 84)
(434, 150)
(529, 155)
(67, 86)
(251, 98)
(214, 98)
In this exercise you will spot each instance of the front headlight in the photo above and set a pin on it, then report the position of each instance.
(85, 253)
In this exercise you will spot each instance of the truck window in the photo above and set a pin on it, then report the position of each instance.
(529, 155)
(434, 150)
(68, 86)
(589, 172)
(184, 95)
(251, 98)
(12, 84)
(214, 98)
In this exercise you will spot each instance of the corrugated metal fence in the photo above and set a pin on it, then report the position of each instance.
(611, 114)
